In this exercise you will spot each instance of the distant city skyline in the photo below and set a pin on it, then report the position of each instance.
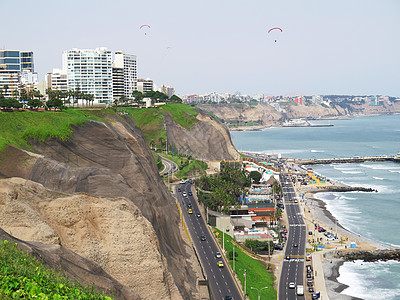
(338, 47)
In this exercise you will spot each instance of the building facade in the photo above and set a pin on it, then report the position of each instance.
(16, 68)
(144, 85)
(90, 71)
(127, 62)
(57, 80)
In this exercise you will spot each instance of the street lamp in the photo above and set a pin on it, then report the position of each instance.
(259, 291)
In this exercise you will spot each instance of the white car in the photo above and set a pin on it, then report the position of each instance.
(292, 285)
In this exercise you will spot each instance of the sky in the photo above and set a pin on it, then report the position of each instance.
(345, 47)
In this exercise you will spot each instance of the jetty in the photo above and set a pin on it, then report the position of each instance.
(354, 159)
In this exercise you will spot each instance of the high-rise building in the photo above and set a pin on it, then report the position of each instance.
(57, 80)
(16, 67)
(127, 62)
(90, 71)
(167, 90)
(144, 85)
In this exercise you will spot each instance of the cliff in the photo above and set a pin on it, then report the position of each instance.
(266, 115)
(99, 195)
(208, 139)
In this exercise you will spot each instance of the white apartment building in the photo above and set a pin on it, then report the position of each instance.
(127, 62)
(57, 80)
(90, 71)
(144, 85)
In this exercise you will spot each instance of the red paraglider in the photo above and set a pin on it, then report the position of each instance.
(145, 28)
(277, 28)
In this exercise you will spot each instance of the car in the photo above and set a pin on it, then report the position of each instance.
(190, 211)
(220, 264)
(308, 257)
(179, 189)
(309, 275)
(184, 194)
(190, 193)
(287, 257)
(330, 238)
(292, 285)
(189, 205)
(183, 181)
(295, 245)
(218, 254)
(203, 238)
(295, 201)
(191, 181)
(311, 289)
(310, 233)
(228, 297)
(198, 215)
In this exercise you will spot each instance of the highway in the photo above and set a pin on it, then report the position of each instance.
(220, 278)
(293, 264)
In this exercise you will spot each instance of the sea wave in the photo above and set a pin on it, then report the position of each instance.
(317, 151)
(378, 178)
(379, 167)
(368, 280)
(352, 172)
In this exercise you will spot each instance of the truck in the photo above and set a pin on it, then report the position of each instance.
(300, 290)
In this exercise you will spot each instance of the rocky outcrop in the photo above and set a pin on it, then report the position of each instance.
(207, 140)
(263, 113)
(369, 256)
(123, 217)
(73, 266)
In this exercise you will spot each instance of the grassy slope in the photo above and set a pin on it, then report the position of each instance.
(24, 277)
(151, 120)
(17, 128)
(257, 275)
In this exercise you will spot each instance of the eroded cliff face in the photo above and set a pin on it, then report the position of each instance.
(267, 115)
(264, 113)
(123, 217)
(207, 140)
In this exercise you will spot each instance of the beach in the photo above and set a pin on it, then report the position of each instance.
(315, 212)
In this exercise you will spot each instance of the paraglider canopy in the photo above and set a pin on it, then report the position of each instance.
(275, 28)
(145, 27)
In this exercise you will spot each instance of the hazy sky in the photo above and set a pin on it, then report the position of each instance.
(326, 47)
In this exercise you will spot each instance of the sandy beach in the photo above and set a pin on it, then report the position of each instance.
(315, 212)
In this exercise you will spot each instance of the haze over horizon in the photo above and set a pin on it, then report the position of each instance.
(325, 47)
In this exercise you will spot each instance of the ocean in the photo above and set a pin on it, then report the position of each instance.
(372, 215)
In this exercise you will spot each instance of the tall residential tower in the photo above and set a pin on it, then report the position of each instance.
(90, 71)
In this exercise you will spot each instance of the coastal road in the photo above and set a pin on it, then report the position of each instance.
(293, 264)
(169, 166)
(220, 279)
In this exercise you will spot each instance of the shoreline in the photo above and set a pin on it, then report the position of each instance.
(279, 124)
(315, 210)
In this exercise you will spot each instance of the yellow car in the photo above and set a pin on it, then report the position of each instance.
(190, 211)
(220, 264)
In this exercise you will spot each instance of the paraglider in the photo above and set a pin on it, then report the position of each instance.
(145, 27)
(275, 28)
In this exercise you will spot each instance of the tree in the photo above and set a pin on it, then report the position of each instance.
(35, 103)
(137, 95)
(256, 176)
(55, 102)
(175, 98)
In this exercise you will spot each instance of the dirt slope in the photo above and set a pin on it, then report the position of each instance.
(110, 161)
(207, 140)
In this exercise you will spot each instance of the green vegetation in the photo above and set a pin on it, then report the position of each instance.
(255, 176)
(24, 277)
(194, 168)
(151, 120)
(256, 271)
(18, 127)
(221, 191)
(188, 167)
